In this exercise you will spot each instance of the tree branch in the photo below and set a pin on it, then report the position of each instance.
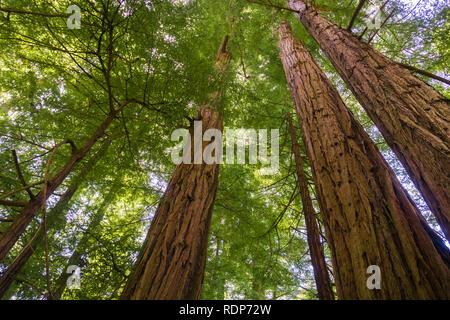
(19, 173)
(42, 14)
(381, 26)
(271, 5)
(423, 72)
(35, 13)
(20, 189)
(12, 204)
(355, 14)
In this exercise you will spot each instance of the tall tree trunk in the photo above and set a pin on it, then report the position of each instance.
(368, 217)
(411, 115)
(323, 283)
(53, 216)
(172, 261)
(21, 222)
(75, 258)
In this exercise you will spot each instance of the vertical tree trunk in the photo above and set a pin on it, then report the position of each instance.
(53, 216)
(323, 283)
(215, 274)
(21, 222)
(368, 218)
(411, 115)
(172, 261)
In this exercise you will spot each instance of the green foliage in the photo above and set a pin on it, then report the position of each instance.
(58, 83)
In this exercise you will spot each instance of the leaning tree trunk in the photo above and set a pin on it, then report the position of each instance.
(323, 283)
(173, 258)
(21, 222)
(53, 217)
(412, 116)
(368, 217)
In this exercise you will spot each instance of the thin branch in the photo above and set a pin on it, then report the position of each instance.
(19, 173)
(362, 33)
(280, 216)
(381, 26)
(423, 72)
(25, 140)
(44, 211)
(365, 29)
(21, 189)
(42, 14)
(32, 286)
(271, 5)
(355, 14)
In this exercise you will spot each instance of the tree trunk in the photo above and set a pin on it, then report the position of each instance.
(323, 283)
(368, 217)
(412, 116)
(75, 258)
(21, 222)
(53, 216)
(173, 258)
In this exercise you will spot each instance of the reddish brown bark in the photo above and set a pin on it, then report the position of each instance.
(411, 115)
(20, 223)
(174, 254)
(368, 218)
(173, 258)
(323, 283)
(53, 216)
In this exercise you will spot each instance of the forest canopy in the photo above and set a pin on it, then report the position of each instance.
(91, 93)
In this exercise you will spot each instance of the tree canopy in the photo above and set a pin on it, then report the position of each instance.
(60, 83)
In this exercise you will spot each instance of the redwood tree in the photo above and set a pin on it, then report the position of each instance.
(172, 260)
(411, 115)
(21, 222)
(55, 214)
(368, 217)
(323, 283)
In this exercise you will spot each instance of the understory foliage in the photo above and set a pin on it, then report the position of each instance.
(58, 83)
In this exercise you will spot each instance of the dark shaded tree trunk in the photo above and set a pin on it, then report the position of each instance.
(55, 214)
(323, 283)
(21, 222)
(173, 258)
(368, 217)
(412, 116)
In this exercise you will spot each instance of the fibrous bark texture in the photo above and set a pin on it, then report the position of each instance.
(412, 116)
(368, 218)
(172, 261)
(323, 283)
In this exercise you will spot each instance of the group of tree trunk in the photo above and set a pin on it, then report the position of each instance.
(53, 217)
(368, 217)
(413, 118)
(411, 115)
(32, 208)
